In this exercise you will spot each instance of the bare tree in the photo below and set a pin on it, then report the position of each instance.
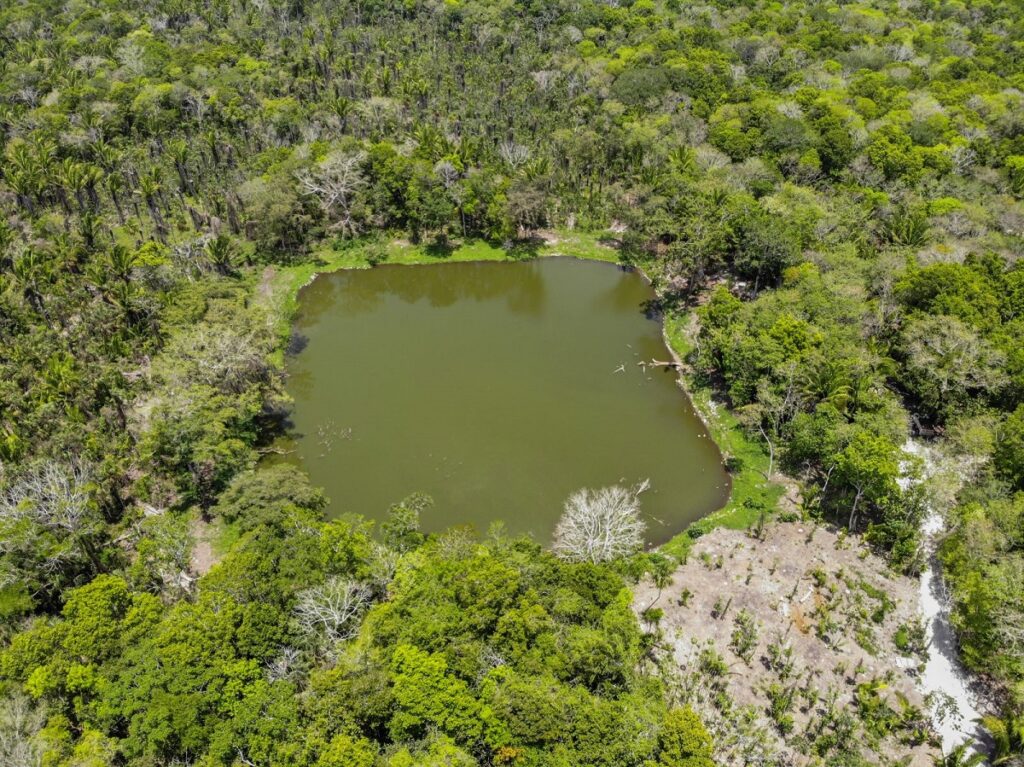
(383, 566)
(514, 154)
(333, 609)
(53, 495)
(335, 181)
(228, 359)
(545, 77)
(49, 514)
(19, 723)
(447, 172)
(601, 525)
(285, 666)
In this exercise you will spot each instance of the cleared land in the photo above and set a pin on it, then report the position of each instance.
(797, 643)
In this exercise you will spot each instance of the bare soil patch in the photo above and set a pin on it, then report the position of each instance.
(266, 286)
(203, 557)
(795, 648)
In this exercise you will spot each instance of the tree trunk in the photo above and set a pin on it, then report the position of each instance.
(853, 511)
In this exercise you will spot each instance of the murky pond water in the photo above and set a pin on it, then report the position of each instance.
(496, 388)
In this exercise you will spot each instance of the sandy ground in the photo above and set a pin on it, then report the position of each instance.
(818, 597)
(944, 678)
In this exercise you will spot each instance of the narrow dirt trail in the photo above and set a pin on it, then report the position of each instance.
(203, 557)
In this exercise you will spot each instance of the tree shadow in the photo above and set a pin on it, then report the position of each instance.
(439, 247)
(525, 248)
(297, 342)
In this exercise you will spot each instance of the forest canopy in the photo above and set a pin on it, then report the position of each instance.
(834, 190)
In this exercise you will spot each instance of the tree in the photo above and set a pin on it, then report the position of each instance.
(660, 568)
(20, 723)
(331, 611)
(684, 741)
(346, 751)
(1015, 173)
(869, 466)
(336, 182)
(948, 363)
(527, 207)
(763, 246)
(600, 525)
(269, 497)
(279, 217)
(1009, 453)
(427, 696)
(401, 529)
(743, 641)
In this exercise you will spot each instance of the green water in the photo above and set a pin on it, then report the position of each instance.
(496, 388)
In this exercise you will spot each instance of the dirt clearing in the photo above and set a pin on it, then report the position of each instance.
(797, 648)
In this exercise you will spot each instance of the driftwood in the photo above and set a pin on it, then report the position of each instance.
(660, 364)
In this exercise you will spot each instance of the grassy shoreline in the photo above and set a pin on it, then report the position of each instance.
(750, 495)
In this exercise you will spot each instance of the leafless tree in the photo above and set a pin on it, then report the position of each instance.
(447, 172)
(335, 182)
(964, 158)
(285, 666)
(333, 609)
(601, 525)
(380, 112)
(53, 495)
(195, 103)
(514, 154)
(19, 722)
(227, 359)
(545, 77)
(48, 514)
(383, 565)
(189, 258)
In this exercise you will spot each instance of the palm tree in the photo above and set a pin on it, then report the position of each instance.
(32, 271)
(25, 175)
(220, 251)
(178, 150)
(72, 178)
(122, 262)
(1007, 733)
(149, 185)
(827, 381)
(115, 183)
(92, 175)
(342, 108)
(961, 756)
